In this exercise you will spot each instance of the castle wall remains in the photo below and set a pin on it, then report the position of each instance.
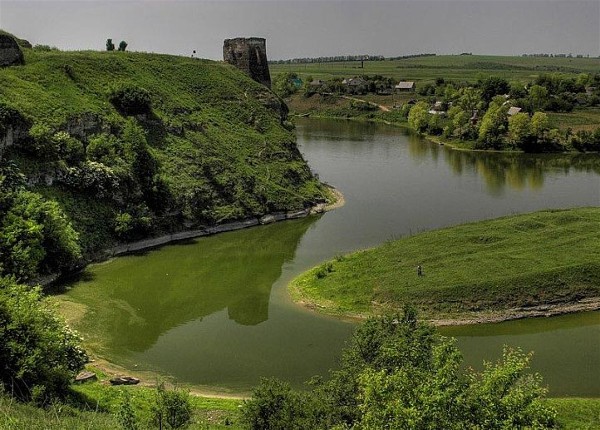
(250, 56)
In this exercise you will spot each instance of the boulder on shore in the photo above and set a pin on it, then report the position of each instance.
(124, 380)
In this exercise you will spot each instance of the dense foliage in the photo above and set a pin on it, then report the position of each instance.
(131, 100)
(39, 355)
(35, 235)
(399, 373)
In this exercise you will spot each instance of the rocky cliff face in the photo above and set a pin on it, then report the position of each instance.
(10, 52)
(250, 56)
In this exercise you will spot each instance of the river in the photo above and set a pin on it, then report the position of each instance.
(215, 312)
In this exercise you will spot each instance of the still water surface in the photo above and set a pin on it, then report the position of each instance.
(215, 312)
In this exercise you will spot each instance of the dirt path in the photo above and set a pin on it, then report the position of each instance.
(382, 107)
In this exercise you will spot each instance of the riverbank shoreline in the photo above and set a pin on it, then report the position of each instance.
(438, 140)
(590, 304)
(156, 242)
(173, 238)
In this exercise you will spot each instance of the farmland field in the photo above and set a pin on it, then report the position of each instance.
(453, 67)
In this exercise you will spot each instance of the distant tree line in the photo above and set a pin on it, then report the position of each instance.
(545, 55)
(334, 59)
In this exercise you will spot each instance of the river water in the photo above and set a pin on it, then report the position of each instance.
(215, 312)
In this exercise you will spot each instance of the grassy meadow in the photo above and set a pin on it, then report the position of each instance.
(482, 268)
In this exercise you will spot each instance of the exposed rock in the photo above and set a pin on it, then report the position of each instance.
(14, 128)
(271, 101)
(10, 51)
(84, 125)
(124, 380)
(85, 377)
(250, 56)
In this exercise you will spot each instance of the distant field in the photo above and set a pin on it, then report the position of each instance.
(580, 119)
(453, 67)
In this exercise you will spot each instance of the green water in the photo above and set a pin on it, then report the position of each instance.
(215, 312)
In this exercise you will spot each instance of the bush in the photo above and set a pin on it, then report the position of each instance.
(173, 409)
(131, 100)
(399, 373)
(36, 237)
(38, 352)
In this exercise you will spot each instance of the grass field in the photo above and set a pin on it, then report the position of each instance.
(451, 67)
(482, 268)
(96, 405)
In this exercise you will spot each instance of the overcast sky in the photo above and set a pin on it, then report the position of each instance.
(310, 28)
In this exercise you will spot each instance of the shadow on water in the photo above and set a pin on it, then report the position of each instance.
(135, 299)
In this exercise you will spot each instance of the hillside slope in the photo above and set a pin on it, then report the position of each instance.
(135, 144)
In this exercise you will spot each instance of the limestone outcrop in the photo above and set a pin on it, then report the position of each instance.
(10, 51)
(250, 56)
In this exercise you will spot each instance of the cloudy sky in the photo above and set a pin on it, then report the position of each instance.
(308, 28)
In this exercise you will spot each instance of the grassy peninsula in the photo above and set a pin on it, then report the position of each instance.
(484, 270)
(132, 145)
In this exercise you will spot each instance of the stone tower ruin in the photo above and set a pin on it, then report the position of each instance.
(250, 56)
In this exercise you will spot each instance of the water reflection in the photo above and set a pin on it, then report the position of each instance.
(153, 293)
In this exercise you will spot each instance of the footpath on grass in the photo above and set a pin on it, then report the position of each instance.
(539, 264)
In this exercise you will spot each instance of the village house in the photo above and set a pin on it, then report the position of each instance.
(513, 110)
(405, 86)
(355, 85)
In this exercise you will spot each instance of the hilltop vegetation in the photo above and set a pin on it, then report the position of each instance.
(483, 269)
(130, 145)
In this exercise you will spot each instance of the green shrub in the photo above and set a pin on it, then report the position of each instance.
(398, 373)
(35, 235)
(125, 413)
(173, 408)
(131, 100)
(39, 355)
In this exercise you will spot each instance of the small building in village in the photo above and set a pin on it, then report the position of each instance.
(513, 110)
(355, 85)
(405, 86)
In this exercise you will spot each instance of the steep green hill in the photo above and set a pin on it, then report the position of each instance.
(134, 144)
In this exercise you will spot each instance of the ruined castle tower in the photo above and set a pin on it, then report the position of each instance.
(250, 56)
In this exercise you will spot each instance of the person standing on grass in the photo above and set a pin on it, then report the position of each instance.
(420, 270)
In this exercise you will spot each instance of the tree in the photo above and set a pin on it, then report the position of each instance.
(418, 117)
(539, 124)
(538, 96)
(38, 352)
(110, 46)
(519, 129)
(493, 126)
(469, 98)
(493, 86)
(122, 46)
